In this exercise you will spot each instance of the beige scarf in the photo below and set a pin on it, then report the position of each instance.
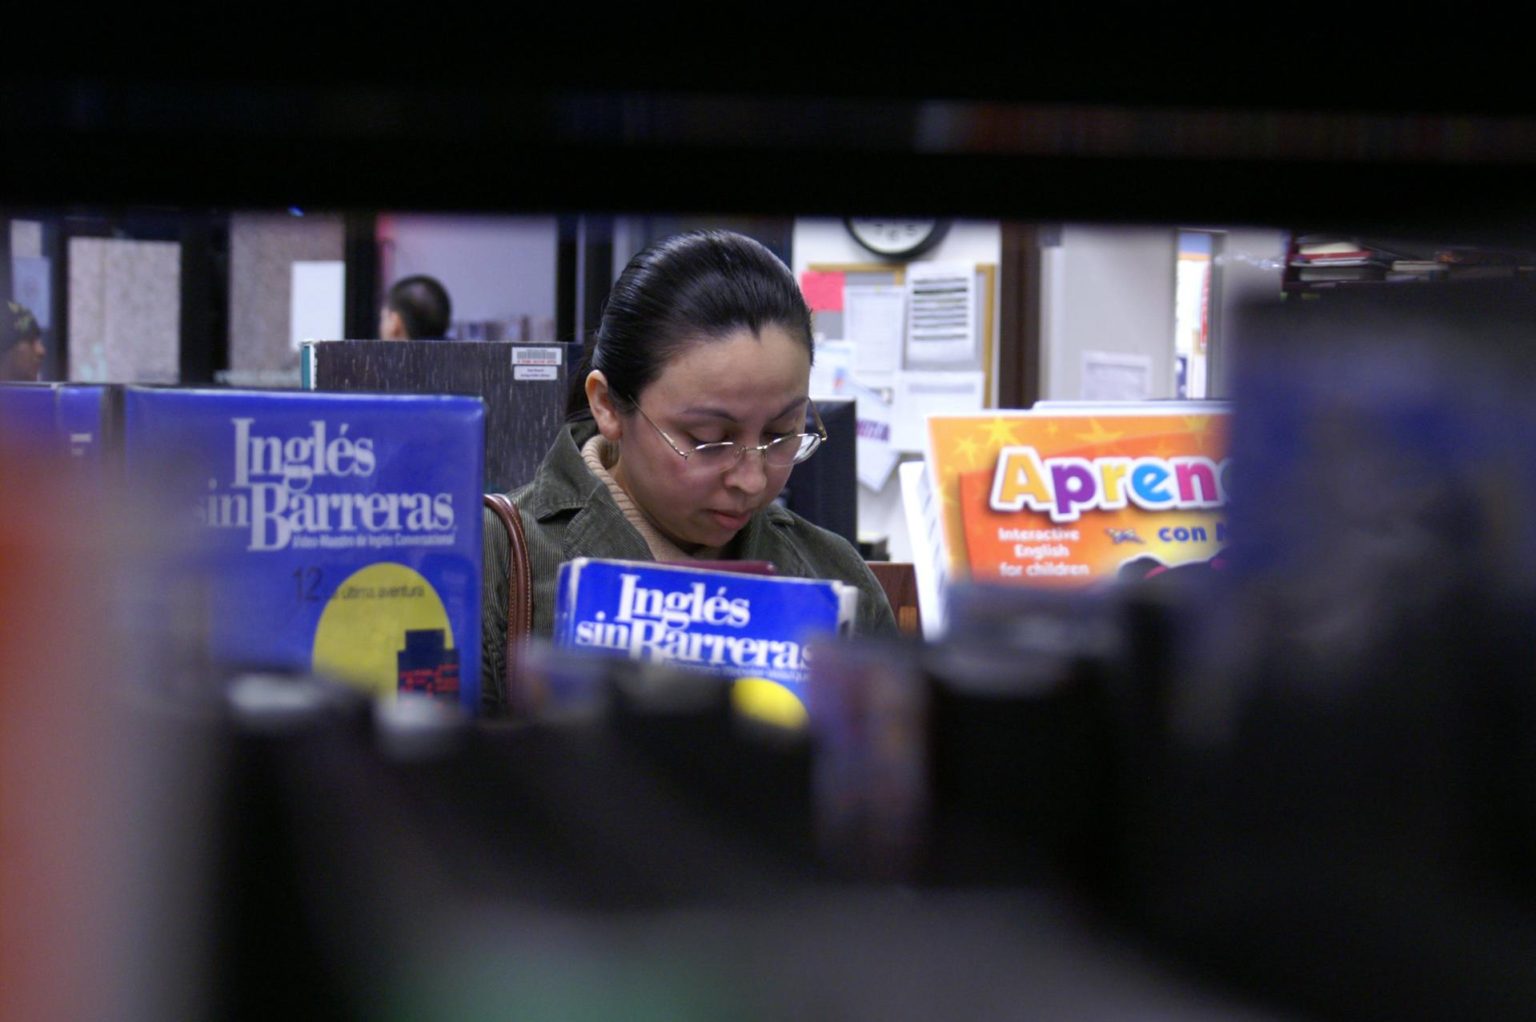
(601, 456)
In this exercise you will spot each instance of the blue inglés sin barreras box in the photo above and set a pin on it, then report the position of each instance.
(57, 418)
(333, 532)
(28, 414)
(735, 624)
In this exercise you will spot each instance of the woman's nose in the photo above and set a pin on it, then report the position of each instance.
(750, 473)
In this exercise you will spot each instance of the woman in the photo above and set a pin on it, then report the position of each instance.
(21, 344)
(693, 413)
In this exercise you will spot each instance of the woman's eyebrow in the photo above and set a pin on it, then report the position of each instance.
(721, 413)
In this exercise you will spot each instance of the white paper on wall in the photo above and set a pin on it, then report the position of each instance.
(31, 283)
(874, 319)
(318, 302)
(921, 394)
(26, 239)
(941, 318)
(833, 360)
(876, 456)
(1111, 376)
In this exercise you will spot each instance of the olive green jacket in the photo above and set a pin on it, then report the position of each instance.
(567, 513)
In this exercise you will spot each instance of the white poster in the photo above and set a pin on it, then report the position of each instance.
(124, 311)
(874, 323)
(317, 307)
(876, 456)
(941, 319)
(31, 283)
(921, 394)
(920, 503)
(833, 360)
(1116, 377)
(26, 239)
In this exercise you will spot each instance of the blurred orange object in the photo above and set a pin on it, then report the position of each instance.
(59, 958)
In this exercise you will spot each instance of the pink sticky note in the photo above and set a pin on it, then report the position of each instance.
(823, 290)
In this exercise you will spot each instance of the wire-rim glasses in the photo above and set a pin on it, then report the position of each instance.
(787, 450)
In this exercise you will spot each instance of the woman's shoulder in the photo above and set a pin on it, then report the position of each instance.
(562, 480)
(821, 545)
(822, 553)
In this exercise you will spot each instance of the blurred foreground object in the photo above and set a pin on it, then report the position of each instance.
(56, 863)
(92, 891)
(1340, 811)
(641, 850)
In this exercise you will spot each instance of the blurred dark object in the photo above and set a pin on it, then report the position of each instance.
(874, 549)
(825, 489)
(871, 772)
(1341, 807)
(1013, 752)
(641, 855)
(899, 581)
(1026, 745)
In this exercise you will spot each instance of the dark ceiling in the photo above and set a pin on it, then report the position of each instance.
(900, 114)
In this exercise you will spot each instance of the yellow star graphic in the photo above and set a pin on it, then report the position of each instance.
(966, 449)
(1000, 431)
(1097, 434)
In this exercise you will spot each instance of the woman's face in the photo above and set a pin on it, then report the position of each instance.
(746, 388)
(23, 361)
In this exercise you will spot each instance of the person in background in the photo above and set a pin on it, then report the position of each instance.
(21, 344)
(694, 408)
(416, 309)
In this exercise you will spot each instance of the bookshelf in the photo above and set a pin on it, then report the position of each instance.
(1318, 261)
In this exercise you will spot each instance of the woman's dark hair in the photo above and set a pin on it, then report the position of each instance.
(423, 305)
(702, 285)
(17, 324)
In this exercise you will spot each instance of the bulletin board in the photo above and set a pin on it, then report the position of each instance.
(830, 324)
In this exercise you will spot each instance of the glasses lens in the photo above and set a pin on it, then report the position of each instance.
(790, 450)
(785, 451)
(720, 455)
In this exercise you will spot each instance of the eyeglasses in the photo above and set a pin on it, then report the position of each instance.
(790, 449)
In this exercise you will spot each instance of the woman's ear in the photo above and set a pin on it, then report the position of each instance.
(391, 326)
(604, 412)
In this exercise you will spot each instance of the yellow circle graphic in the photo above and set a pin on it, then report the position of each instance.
(768, 702)
(386, 620)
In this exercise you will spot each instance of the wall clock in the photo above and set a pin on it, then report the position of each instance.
(897, 239)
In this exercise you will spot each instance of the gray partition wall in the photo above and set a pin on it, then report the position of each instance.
(524, 387)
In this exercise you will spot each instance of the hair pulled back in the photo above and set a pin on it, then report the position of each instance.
(423, 305)
(688, 288)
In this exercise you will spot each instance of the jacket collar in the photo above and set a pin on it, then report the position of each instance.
(563, 480)
(763, 538)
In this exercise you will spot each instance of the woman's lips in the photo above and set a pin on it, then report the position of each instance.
(731, 520)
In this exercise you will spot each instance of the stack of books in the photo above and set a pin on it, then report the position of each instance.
(1326, 258)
